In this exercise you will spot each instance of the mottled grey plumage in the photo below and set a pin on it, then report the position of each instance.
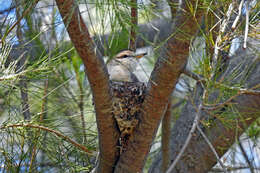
(127, 100)
(127, 94)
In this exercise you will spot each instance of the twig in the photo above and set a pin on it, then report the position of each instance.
(212, 149)
(193, 75)
(81, 108)
(24, 98)
(240, 92)
(19, 20)
(221, 31)
(229, 168)
(52, 91)
(23, 84)
(41, 119)
(246, 157)
(73, 97)
(192, 131)
(238, 15)
(44, 102)
(219, 105)
(134, 22)
(66, 138)
(247, 24)
(177, 104)
(166, 125)
(81, 103)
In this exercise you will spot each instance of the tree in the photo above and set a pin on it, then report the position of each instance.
(205, 108)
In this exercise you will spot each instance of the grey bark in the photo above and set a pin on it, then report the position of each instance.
(198, 156)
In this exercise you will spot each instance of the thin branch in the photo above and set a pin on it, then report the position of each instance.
(81, 103)
(134, 23)
(212, 107)
(24, 98)
(212, 149)
(193, 75)
(38, 132)
(98, 78)
(241, 91)
(251, 167)
(53, 90)
(19, 19)
(21, 65)
(44, 102)
(173, 4)
(81, 108)
(247, 24)
(222, 30)
(192, 131)
(162, 82)
(230, 168)
(238, 15)
(177, 104)
(66, 138)
(166, 132)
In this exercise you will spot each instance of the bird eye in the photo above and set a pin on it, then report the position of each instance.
(124, 56)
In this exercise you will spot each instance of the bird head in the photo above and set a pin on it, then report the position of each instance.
(122, 66)
(129, 54)
(128, 59)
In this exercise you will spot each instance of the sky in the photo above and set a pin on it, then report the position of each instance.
(4, 4)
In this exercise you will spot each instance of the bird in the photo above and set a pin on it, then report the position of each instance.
(123, 65)
(127, 94)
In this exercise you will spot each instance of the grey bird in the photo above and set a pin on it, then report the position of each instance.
(122, 66)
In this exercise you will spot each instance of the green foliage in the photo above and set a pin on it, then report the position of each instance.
(254, 131)
(55, 84)
(59, 93)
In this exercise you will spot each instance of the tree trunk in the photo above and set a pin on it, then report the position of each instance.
(160, 86)
(98, 78)
(198, 156)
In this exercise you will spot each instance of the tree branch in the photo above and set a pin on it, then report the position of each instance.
(161, 84)
(97, 74)
(191, 133)
(197, 157)
(25, 12)
(166, 133)
(134, 23)
(57, 133)
(21, 63)
(212, 149)
(251, 167)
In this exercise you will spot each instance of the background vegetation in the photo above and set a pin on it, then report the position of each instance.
(47, 110)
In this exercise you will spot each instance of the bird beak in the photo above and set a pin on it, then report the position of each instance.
(140, 55)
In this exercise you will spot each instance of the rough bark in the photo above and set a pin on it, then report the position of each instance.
(198, 156)
(134, 22)
(162, 82)
(166, 132)
(98, 78)
(160, 86)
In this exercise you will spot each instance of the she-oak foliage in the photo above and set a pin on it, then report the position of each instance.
(76, 149)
